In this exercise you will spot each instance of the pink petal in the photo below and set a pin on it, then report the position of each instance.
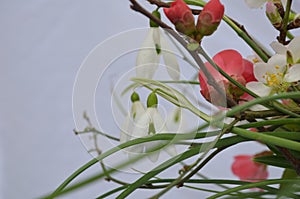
(230, 61)
(246, 169)
(248, 72)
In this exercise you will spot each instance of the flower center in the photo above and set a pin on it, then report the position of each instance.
(276, 80)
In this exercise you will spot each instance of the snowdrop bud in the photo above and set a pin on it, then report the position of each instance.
(152, 23)
(135, 97)
(152, 100)
(273, 15)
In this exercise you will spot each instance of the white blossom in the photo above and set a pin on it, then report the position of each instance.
(292, 49)
(275, 76)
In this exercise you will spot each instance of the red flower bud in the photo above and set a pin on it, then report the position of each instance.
(210, 17)
(181, 16)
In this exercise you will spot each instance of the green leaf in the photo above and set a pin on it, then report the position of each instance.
(289, 187)
(274, 160)
(259, 185)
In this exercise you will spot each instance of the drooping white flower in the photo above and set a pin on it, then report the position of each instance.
(150, 123)
(148, 58)
(275, 76)
(175, 121)
(292, 50)
(259, 3)
(135, 113)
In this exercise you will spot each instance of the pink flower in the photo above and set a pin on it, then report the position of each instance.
(248, 170)
(234, 65)
(181, 16)
(210, 17)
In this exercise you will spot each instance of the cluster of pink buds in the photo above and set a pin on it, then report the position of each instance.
(183, 19)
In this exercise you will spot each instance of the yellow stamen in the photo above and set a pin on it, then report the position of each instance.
(255, 60)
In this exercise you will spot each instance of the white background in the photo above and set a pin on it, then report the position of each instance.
(43, 43)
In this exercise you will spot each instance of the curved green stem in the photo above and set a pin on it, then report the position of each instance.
(253, 185)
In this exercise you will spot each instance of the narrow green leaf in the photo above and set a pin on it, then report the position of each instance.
(274, 160)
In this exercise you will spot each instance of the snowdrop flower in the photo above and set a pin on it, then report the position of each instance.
(137, 110)
(175, 121)
(275, 76)
(292, 50)
(150, 123)
(148, 58)
(259, 3)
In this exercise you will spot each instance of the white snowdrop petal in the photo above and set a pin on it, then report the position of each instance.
(147, 59)
(156, 35)
(293, 73)
(135, 150)
(171, 150)
(170, 60)
(255, 3)
(141, 126)
(125, 133)
(149, 146)
(259, 88)
(158, 121)
(137, 109)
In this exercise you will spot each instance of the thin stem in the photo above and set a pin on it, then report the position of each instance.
(179, 181)
(239, 29)
(253, 185)
(93, 130)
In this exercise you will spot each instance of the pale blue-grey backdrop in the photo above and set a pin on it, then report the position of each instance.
(43, 43)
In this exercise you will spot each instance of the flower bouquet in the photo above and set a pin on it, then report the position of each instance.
(177, 108)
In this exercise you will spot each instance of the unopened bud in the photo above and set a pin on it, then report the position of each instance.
(182, 17)
(135, 97)
(210, 17)
(152, 23)
(152, 100)
(273, 15)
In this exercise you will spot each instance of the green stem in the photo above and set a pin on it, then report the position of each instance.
(261, 100)
(93, 130)
(168, 136)
(253, 185)
(281, 121)
(246, 38)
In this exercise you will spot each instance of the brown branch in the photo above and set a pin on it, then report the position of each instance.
(290, 158)
(294, 24)
(283, 30)
(249, 115)
(161, 4)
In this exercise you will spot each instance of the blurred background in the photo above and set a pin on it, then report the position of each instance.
(43, 43)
